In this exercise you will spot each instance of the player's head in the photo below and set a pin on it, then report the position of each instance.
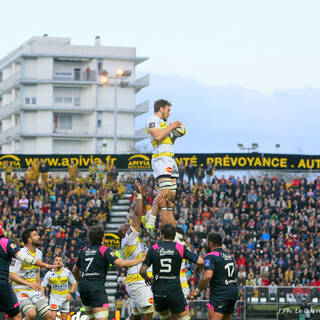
(162, 107)
(123, 229)
(168, 232)
(58, 261)
(31, 237)
(214, 240)
(179, 234)
(96, 235)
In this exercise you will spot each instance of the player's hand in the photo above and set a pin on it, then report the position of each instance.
(52, 266)
(149, 281)
(69, 297)
(175, 125)
(137, 186)
(34, 286)
(161, 201)
(169, 204)
(143, 257)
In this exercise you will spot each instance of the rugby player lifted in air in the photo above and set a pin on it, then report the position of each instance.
(220, 272)
(164, 166)
(133, 246)
(91, 269)
(8, 250)
(26, 278)
(166, 257)
(63, 284)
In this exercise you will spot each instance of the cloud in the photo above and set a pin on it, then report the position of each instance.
(217, 118)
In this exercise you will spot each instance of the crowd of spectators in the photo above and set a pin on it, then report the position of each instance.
(271, 226)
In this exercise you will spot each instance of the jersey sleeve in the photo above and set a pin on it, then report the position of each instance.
(78, 261)
(15, 265)
(190, 255)
(45, 280)
(130, 239)
(12, 249)
(72, 280)
(110, 256)
(209, 263)
(152, 122)
(148, 261)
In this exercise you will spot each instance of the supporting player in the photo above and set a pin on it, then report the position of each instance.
(164, 166)
(8, 250)
(26, 279)
(220, 272)
(133, 246)
(62, 284)
(91, 269)
(166, 257)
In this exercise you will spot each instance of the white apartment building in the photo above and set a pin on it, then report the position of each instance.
(52, 99)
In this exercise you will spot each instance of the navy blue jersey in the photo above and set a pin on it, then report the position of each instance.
(166, 258)
(7, 251)
(93, 263)
(223, 284)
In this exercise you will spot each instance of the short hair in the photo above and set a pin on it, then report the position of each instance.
(26, 234)
(168, 231)
(160, 103)
(179, 230)
(57, 256)
(215, 238)
(95, 235)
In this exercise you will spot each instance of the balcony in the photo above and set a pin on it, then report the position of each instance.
(10, 82)
(10, 134)
(142, 108)
(9, 109)
(140, 134)
(141, 82)
(70, 76)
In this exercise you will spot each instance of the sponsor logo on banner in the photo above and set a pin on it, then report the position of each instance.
(112, 240)
(13, 160)
(139, 161)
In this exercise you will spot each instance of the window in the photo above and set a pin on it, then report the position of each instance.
(27, 101)
(99, 123)
(58, 99)
(67, 99)
(63, 121)
(77, 101)
(34, 100)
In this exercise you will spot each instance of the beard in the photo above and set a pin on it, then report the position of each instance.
(36, 243)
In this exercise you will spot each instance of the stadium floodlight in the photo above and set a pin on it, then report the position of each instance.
(117, 81)
(255, 146)
(240, 145)
(277, 145)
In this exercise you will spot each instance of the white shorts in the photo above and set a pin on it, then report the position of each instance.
(140, 295)
(164, 166)
(59, 303)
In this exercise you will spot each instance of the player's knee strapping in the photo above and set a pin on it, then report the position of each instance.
(43, 309)
(165, 184)
(89, 312)
(26, 305)
(101, 314)
(184, 318)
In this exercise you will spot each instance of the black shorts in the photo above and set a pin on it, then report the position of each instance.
(94, 298)
(174, 301)
(223, 306)
(8, 300)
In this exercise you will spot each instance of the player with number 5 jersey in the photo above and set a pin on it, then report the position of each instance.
(221, 274)
(91, 270)
(166, 257)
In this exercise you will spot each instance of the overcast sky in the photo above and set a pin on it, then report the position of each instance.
(244, 62)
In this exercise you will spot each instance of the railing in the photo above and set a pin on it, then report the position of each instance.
(10, 81)
(77, 76)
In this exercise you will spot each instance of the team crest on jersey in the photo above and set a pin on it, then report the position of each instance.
(207, 263)
(150, 300)
(13, 246)
(24, 295)
(169, 169)
(151, 125)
